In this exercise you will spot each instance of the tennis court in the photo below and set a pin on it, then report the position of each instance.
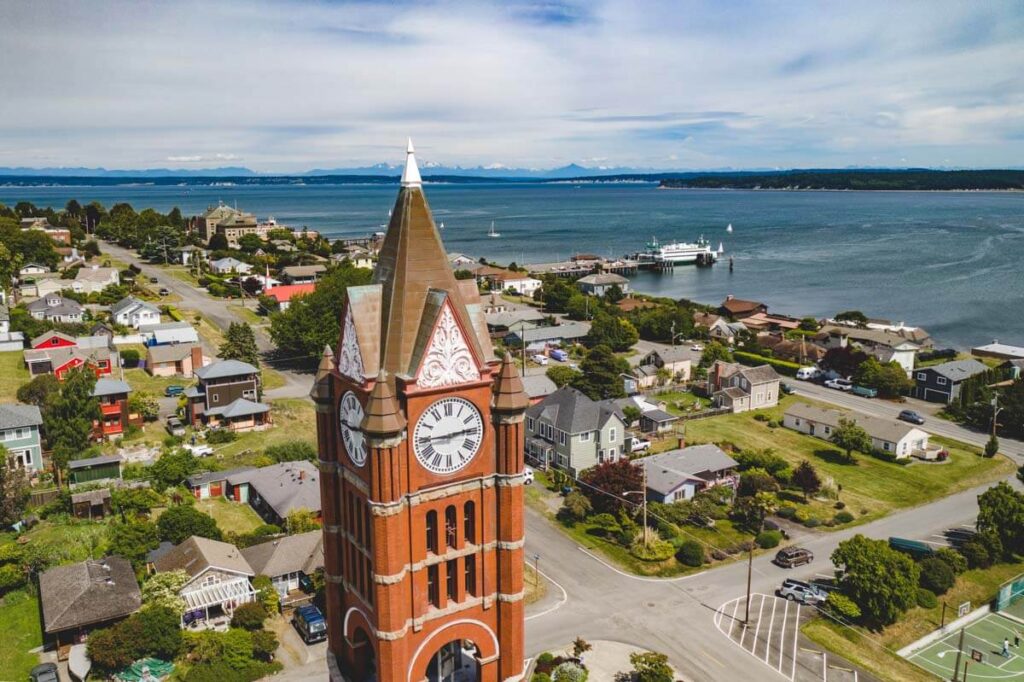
(982, 639)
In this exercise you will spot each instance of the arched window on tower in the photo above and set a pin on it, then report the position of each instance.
(451, 525)
(432, 532)
(469, 522)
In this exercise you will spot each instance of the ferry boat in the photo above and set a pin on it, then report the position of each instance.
(680, 252)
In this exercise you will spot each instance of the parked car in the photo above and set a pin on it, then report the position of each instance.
(798, 590)
(911, 416)
(864, 392)
(791, 557)
(310, 623)
(175, 427)
(786, 388)
(839, 384)
(540, 359)
(808, 373)
(696, 346)
(199, 450)
(153, 280)
(44, 672)
(173, 390)
(164, 291)
(528, 475)
(559, 354)
(640, 445)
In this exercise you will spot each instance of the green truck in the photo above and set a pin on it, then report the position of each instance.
(864, 392)
(915, 548)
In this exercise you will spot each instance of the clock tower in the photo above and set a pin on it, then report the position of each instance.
(421, 451)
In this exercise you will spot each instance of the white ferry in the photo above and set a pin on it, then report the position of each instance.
(700, 251)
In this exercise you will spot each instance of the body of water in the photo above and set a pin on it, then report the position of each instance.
(948, 261)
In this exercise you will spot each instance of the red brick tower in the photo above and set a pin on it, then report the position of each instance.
(421, 449)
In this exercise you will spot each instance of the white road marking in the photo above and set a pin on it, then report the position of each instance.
(760, 610)
(637, 577)
(796, 631)
(732, 623)
(551, 609)
(768, 638)
(721, 611)
(782, 635)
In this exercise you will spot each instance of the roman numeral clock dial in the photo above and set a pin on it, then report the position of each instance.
(448, 435)
(350, 416)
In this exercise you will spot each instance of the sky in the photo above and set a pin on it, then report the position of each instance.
(296, 85)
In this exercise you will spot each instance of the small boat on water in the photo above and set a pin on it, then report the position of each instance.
(441, 226)
(491, 232)
(729, 229)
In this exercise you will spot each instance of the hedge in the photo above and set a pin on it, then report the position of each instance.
(780, 366)
(174, 313)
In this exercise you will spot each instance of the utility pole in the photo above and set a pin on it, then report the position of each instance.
(750, 571)
(959, 653)
(643, 498)
(995, 412)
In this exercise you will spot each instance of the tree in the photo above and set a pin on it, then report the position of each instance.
(607, 485)
(890, 379)
(806, 478)
(250, 243)
(313, 321)
(601, 376)
(153, 631)
(614, 294)
(936, 575)
(69, 415)
(218, 242)
(752, 511)
(292, 451)
(713, 352)
(240, 344)
(561, 375)
(992, 446)
(181, 522)
(615, 332)
(631, 414)
(843, 607)
(1001, 512)
(14, 490)
(162, 590)
(172, 469)
(575, 507)
(249, 616)
(266, 593)
(843, 361)
(879, 579)
(301, 521)
(849, 436)
(753, 481)
(264, 644)
(808, 324)
(133, 540)
(855, 316)
(649, 666)
(145, 405)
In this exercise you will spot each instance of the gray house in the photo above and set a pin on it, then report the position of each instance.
(941, 383)
(599, 283)
(19, 433)
(288, 559)
(570, 431)
(680, 474)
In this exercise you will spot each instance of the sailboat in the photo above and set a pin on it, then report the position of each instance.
(729, 229)
(441, 226)
(492, 233)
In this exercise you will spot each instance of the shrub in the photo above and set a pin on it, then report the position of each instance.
(249, 616)
(801, 516)
(180, 522)
(761, 417)
(266, 593)
(220, 436)
(936, 575)
(545, 659)
(926, 599)
(540, 677)
(649, 666)
(569, 672)
(264, 644)
(690, 553)
(768, 538)
(976, 554)
(955, 559)
(843, 517)
(654, 550)
(786, 512)
(773, 424)
(292, 452)
(842, 606)
(11, 576)
(840, 505)
(812, 523)
(130, 357)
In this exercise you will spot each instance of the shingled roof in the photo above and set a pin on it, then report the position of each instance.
(89, 592)
(573, 412)
(303, 552)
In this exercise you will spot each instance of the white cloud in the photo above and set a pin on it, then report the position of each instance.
(703, 84)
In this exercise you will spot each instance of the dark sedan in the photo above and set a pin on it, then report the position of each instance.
(912, 417)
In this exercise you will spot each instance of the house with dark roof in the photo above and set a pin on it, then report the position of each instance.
(78, 598)
(570, 431)
(302, 274)
(277, 490)
(677, 360)
(91, 504)
(93, 469)
(20, 433)
(55, 308)
(226, 396)
(680, 474)
(882, 344)
(288, 560)
(218, 578)
(737, 308)
(741, 388)
(896, 438)
(61, 360)
(941, 383)
(209, 484)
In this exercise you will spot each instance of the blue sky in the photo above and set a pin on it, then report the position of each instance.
(288, 86)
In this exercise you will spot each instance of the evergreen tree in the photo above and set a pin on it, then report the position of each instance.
(615, 332)
(601, 375)
(806, 478)
(68, 416)
(240, 344)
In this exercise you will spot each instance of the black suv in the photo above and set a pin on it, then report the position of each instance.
(911, 416)
(791, 557)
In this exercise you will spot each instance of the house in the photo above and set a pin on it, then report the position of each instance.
(189, 253)
(228, 221)
(229, 265)
(42, 286)
(358, 256)
(59, 361)
(92, 280)
(283, 295)
(803, 352)
(504, 319)
(226, 396)
(519, 282)
(726, 332)
(131, 312)
(178, 359)
(169, 332)
(218, 578)
(1012, 369)
(60, 235)
(1001, 351)
(680, 474)
(763, 322)
(640, 378)
(92, 504)
(215, 484)
(302, 274)
(32, 270)
(537, 387)
(53, 339)
(675, 359)
(288, 560)
(555, 335)
(657, 421)
(115, 415)
(941, 383)
(9, 341)
(277, 490)
(56, 308)
(570, 431)
(460, 260)
(20, 428)
(741, 388)
(78, 598)
(104, 468)
(886, 346)
(702, 320)
(599, 283)
(897, 438)
(738, 309)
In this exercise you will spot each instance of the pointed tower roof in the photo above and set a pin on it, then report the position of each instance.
(412, 266)
(411, 172)
(383, 415)
(509, 395)
(321, 390)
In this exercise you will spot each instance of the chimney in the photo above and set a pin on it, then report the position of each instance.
(197, 357)
(682, 442)
(302, 475)
(729, 297)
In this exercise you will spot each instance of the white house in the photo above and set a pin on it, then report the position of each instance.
(94, 279)
(286, 560)
(599, 283)
(229, 265)
(887, 435)
(169, 332)
(32, 270)
(680, 474)
(218, 577)
(131, 312)
(521, 283)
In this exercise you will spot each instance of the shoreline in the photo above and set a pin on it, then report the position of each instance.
(857, 191)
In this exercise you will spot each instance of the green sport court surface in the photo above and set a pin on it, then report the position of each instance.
(985, 635)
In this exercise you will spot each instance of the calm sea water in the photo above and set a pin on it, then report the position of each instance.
(950, 262)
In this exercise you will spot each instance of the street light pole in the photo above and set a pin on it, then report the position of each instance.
(995, 413)
(750, 571)
(643, 502)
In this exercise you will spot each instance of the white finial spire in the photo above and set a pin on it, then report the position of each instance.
(411, 174)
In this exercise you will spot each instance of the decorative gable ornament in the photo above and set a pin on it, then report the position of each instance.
(350, 358)
(448, 360)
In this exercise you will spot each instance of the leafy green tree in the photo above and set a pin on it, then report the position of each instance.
(855, 316)
(561, 375)
(849, 437)
(992, 447)
(936, 575)
(218, 242)
(14, 490)
(249, 616)
(808, 324)
(264, 644)
(301, 521)
(752, 511)
(649, 666)
(133, 540)
(580, 307)
(806, 478)
(890, 379)
(181, 522)
(240, 344)
(631, 414)
(753, 481)
(843, 607)
(663, 321)
(69, 415)
(162, 590)
(172, 469)
(713, 352)
(1001, 512)
(292, 451)
(145, 405)
(268, 596)
(880, 580)
(601, 375)
(575, 507)
(250, 243)
(615, 332)
(954, 559)
(614, 294)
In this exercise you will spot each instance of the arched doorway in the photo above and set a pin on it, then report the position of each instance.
(365, 657)
(456, 661)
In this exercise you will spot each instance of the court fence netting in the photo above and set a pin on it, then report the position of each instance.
(1010, 599)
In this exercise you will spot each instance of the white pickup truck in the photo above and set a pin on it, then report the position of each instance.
(839, 384)
(199, 450)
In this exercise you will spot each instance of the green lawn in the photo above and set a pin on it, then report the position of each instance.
(678, 402)
(248, 314)
(141, 381)
(20, 632)
(863, 651)
(272, 379)
(294, 419)
(12, 375)
(230, 516)
(65, 540)
(180, 272)
(871, 487)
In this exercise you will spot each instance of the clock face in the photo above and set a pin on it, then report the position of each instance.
(448, 435)
(350, 416)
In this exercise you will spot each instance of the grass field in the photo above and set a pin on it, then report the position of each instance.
(20, 632)
(871, 487)
(12, 375)
(230, 516)
(985, 636)
(863, 651)
(535, 589)
(678, 402)
(141, 381)
(67, 540)
(294, 419)
(248, 314)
